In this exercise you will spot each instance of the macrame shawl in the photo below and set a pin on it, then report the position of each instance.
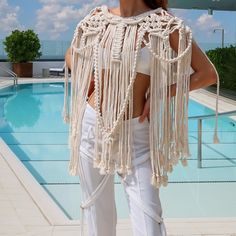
(107, 46)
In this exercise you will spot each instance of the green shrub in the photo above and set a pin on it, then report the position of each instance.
(224, 60)
(22, 46)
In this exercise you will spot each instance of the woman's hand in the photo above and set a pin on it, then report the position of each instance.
(146, 111)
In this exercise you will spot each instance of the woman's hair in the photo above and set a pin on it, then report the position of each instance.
(156, 3)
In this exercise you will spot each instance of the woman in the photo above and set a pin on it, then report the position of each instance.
(131, 74)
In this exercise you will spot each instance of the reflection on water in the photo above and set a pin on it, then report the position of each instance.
(22, 110)
(32, 108)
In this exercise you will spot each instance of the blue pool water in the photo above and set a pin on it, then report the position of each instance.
(31, 124)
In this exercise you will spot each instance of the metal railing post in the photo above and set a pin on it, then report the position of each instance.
(199, 144)
(199, 139)
(10, 72)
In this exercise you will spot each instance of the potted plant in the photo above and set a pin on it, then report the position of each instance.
(22, 47)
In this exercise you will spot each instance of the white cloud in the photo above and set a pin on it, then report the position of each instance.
(55, 16)
(8, 17)
(205, 25)
(207, 22)
(202, 26)
(181, 13)
(184, 15)
(54, 19)
(59, 1)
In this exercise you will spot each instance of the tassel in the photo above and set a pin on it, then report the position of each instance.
(184, 162)
(121, 170)
(67, 119)
(103, 170)
(73, 170)
(111, 169)
(66, 112)
(96, 163)
(158, 181)
(154, 180)
(170, 168)
(215, 138)
(164, 180)
(174, 161)
(129, 170)
(101, 164)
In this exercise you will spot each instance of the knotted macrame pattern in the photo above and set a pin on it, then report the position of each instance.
(107, 47)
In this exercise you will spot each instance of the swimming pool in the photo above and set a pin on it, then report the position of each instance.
(32, 126)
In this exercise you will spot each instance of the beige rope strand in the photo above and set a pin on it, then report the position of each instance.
(108, 44)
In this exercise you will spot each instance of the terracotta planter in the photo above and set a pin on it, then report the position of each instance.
(23, 69)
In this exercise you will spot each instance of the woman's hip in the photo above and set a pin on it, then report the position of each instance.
(140, 135)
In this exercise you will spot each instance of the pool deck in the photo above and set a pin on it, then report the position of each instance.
(209, 99)
(21, 216)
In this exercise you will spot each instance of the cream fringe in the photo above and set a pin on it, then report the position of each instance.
(108, 46)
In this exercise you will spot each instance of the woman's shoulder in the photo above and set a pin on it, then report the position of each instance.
(166, 15)
(96, 11)
(172, 22)
(155, 19)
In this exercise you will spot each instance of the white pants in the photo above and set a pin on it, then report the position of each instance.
(98, 198)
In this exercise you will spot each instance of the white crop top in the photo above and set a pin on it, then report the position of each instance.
(143, 61)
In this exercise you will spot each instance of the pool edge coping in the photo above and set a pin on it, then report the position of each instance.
(208, 99)
(50, 210)
(53, 213)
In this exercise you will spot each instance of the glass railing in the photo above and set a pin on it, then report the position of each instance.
(55, 49)
(50, 49)
(223, 135)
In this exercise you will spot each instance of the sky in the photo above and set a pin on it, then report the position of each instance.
(57, 19)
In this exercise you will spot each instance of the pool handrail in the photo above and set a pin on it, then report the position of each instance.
(199, 139)
(10, 72)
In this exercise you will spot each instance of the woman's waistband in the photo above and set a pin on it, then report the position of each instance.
(90, 116)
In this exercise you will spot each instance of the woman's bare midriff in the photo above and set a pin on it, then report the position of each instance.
(140, 87)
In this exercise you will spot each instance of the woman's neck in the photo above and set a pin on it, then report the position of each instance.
(131, 8)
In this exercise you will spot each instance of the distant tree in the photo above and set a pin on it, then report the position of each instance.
(224, 60)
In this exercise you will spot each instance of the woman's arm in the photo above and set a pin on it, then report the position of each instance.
(204, 72)
(203, 76)
(68, 57)
(68, 63)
